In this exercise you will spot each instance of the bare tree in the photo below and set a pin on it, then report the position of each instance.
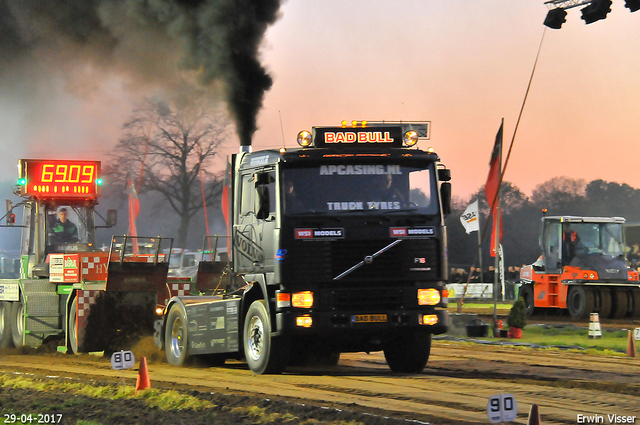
(561, 195)
(167, 148)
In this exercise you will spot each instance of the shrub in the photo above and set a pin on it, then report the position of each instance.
(517, 315)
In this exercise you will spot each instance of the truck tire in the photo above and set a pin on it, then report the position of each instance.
(6, 340)
(408, 354)
(175, 337)
(620, 303)
(72, 326)
(580, 302)
(605, 302)
(634, 303)
(264, 354)
(526, 293)
(17, 323)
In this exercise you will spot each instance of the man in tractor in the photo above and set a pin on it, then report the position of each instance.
(570, 240)
(64, 230)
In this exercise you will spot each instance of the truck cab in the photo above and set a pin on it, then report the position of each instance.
(341, 245)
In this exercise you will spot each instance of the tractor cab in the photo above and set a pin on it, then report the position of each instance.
(58, 214)
(583, 243)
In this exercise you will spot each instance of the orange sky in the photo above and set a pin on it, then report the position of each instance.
(461, 64)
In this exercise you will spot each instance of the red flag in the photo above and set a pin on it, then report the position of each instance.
(134, 209)
(491, 188)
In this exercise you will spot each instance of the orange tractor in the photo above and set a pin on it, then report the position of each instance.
(582, 269)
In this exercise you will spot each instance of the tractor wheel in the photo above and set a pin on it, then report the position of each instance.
(634, 303)
(175, 337)
(17, 323)
(408, 353)
(264, 353)
(6, 340)
(526, 293)
(580, 302)
(620, 303)
(72, 326)
(605, 302)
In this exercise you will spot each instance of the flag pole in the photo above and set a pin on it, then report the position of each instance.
(481, 272)
(497, 217)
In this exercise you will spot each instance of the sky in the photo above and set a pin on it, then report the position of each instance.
(464, 65)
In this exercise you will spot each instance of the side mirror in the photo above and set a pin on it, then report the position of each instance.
(444, 174)
(445, 196)
(11, 217)
(112, 218)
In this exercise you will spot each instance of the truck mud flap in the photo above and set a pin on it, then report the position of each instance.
(115, 320)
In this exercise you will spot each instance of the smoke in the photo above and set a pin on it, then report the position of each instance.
(148, 43)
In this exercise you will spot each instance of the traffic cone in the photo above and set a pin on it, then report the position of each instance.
(594, 327)
(631, 346)
(143, 381)
(534, 415)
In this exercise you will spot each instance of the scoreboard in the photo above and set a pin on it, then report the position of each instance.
(59, 178)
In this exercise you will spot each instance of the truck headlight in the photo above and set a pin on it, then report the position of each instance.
(304, 138)
(302, 299)
(304, 321)
(429, 296)
(429, 319)
(410, 138)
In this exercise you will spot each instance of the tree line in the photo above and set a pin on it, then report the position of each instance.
(521, 216)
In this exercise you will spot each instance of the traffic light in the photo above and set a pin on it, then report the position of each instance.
(632, 5)
(597, 9)
(556, 17)
(11, 218)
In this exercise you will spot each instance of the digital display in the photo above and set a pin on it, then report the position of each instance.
(358, 137)
(59, 178)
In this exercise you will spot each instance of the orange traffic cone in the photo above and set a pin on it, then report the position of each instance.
(534, 415)
(143, 381)
(631, 346)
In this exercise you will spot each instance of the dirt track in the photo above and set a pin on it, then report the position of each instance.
(453, 389)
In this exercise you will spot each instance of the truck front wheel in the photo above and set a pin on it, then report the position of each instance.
(6, 340)
(264, 354)
(175, 337)
(408, 354)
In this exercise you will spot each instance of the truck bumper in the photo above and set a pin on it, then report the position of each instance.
(339, 325)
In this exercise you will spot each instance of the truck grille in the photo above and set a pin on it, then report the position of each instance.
(321, 261)
(366, 299)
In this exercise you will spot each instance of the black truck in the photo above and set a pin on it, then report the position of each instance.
(337, 246)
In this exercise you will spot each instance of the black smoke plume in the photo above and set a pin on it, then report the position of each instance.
(147, 41)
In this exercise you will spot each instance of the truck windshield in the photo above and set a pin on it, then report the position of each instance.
(599, 238)
(338, 188)
(67, 226)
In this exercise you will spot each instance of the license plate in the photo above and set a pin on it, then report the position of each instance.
(369, 318)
